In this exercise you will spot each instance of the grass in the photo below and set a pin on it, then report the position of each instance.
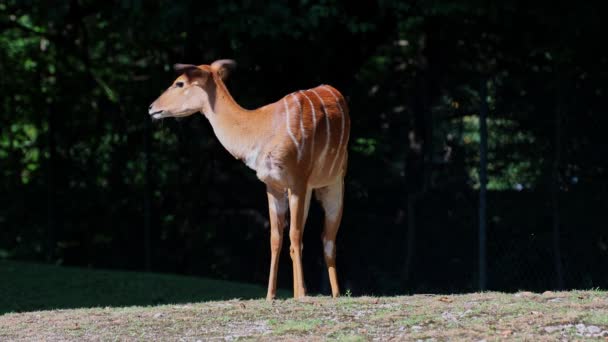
(28, 287)
(294, 326)
(573, 315)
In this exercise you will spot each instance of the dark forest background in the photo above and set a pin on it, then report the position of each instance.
(87, 179)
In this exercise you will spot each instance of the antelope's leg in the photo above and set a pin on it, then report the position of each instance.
(297, 208)
(331, 198)
(277, 207)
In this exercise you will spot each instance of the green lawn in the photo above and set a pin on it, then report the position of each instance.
(29, 287)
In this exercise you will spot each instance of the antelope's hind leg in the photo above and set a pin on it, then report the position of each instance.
(331, 198)
(277, 208)
(298, 207)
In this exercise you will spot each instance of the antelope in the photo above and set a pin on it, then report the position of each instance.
(296, 145)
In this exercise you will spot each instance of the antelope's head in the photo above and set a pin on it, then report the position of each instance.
(193, 91)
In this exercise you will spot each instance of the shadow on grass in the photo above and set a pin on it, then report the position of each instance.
(31, 287)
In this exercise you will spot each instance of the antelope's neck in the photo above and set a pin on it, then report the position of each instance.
(242, 132)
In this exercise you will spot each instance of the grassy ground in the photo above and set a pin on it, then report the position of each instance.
(577, 315)
(28, 287)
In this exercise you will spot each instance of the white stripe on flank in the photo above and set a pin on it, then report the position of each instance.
(331, 169)
(293, 138)
(328, 139)
(302, 133)
(314, 125)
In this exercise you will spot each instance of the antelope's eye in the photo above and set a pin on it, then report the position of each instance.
(179, 84)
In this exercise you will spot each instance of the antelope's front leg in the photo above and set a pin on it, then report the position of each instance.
(297, 207)
(277, 207)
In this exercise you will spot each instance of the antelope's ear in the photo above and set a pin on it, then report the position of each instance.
(223, 67)
(190, 70)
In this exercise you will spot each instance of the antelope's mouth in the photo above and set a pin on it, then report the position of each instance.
(157, 115)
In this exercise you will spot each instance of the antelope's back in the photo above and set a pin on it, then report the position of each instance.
(318, 125)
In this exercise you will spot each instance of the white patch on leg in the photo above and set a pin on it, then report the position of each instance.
(328, 248)
(279, 206)
(332, 210)
(331, 200)
(332, 205)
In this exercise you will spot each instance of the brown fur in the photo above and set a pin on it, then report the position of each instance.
(292, 151)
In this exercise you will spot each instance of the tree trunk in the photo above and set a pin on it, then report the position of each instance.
(147, 198)
(50, 186)
(557, 257)
(411, 237)
(483, 180)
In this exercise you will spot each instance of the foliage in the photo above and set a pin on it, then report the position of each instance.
(83, 168)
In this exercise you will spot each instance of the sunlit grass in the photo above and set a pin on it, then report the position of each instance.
(470, 317)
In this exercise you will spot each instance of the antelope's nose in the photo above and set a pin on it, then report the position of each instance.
(151, 109)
